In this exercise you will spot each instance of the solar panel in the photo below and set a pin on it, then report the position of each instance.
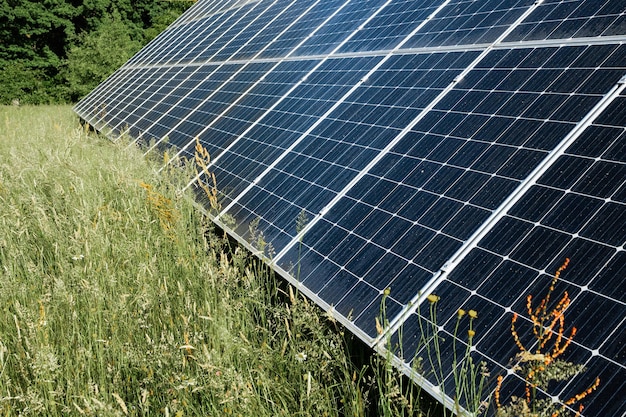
(465, 148)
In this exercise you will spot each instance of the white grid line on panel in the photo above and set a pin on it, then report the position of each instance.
(113, 88)
(304, 290)
(109, 84)
(334, 107)
(235, 74)
(378, 32)
(289, 278)
(243, 94)
(217, 67)
(285, 96)
(220, 35)
(534, 176)
(102, 111)
(503, 209)
(205, 9)
(155, 50)
(522, 296)
(606, 40)
(129, 92)
(122, 123)
(152, 48)
(405, 366)
(86, 105)
(563, 279)
(405, 131)
(147, 52)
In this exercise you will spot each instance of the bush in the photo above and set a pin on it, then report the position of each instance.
(27, 82)
(97, 55)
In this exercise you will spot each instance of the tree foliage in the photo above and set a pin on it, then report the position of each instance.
(97, 55)
(58, 50)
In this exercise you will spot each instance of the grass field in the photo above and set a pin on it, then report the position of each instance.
(116, 297)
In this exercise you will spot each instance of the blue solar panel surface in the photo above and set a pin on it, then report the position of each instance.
(459, 147)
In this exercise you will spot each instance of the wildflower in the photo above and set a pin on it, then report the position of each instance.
(379, 327)
(301, 356)
(432, 298)
(473, 314)
(497, 392)
(471, 333)
(387, 291)
(461, 312)
(78, 257)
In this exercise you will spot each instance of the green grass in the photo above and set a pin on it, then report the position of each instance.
(116, 298)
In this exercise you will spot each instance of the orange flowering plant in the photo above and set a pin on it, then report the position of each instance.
(542, 365)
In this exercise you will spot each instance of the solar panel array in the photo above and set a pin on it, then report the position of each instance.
(461, 147)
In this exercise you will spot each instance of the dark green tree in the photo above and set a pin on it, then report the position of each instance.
(97, 55)
(33, 35)
(57, 50)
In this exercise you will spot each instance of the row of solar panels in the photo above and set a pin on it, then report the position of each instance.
(460, 147)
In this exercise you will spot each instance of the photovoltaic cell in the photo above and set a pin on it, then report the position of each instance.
(566, 214)
(308, 23)
(572, 19)
(230, 125)
(391, 25)
(467, 22)
(291, 13)
(288, 121)
(197, 111)
(339, 27)
(464, 148)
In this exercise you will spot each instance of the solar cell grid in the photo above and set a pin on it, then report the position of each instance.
(340, 27)
(298, 112)
(391, 25)
(161, 39)
(127, 114)
(195, 37)
(160, 90)
(207, 9)
(307, 24)
(233, 33)
(287, 15)
(567, 213)
(125, 94)
(467, 22)
(465, 147)
(177, 103)
(90, 104)
(572, 19)
(267, 22)
(190, 37)
(111, 101)
(367, 127)
(256, 101)
(200, 112)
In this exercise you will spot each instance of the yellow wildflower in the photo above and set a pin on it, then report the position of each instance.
(473, 314)
(432, 298)
(461, 312)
